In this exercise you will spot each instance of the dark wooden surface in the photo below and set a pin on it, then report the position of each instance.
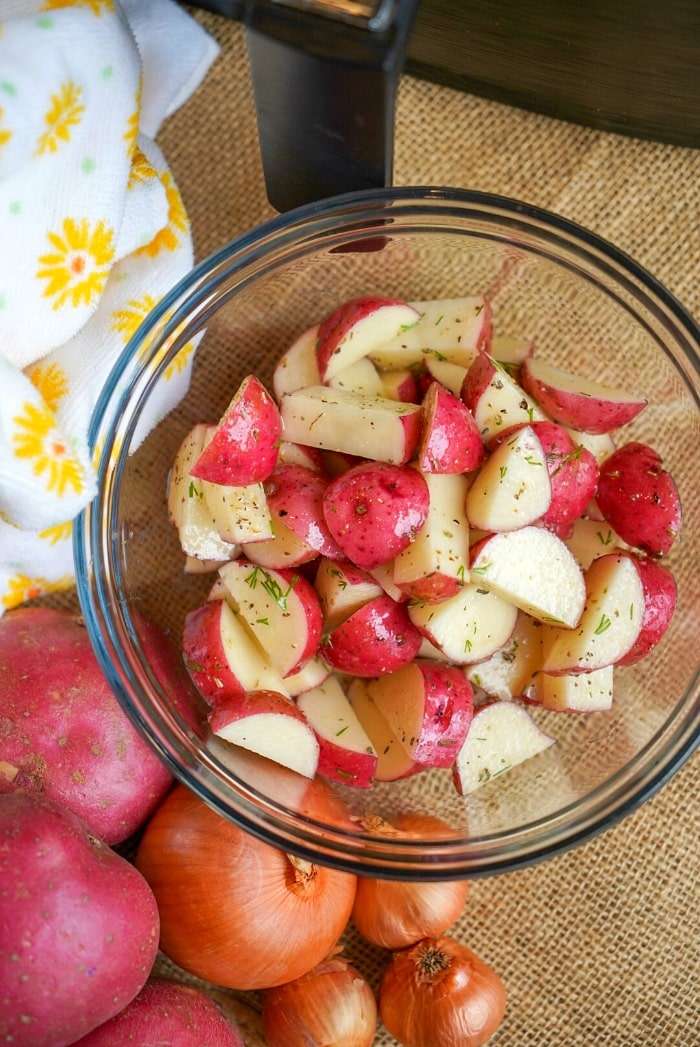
(617, 65)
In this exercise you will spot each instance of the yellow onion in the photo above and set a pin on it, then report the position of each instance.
(332, 1004)
(234, 910)
(438, 993)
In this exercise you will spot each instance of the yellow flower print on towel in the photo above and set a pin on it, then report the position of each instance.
(5, 133)
(39, 439)
(169, 238)
(50, 382)
(96, 6)
(76, 270)
(65, 113)
(22, 588)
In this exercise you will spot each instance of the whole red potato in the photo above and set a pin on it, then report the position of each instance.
(163, 1012)
(79, 926)
(64, 735)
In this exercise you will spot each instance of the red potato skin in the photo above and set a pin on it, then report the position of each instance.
(477, 379)
(639, 498)
(295, 494)
(578, 410)
(63, 734)
(377, 639)
(245, 447)
(450, 441)
(204, 656)
(660, 595)
(165, 1011)
(449, 709)
(375, 510)
(233, 708)
(79, 926)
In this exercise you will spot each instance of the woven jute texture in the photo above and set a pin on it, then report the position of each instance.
(599, 947)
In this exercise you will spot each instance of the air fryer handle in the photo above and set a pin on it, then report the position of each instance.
(325, 94)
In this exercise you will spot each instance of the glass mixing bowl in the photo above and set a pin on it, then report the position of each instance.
(590, 309)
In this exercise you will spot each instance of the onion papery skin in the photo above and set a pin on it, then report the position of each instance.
(438, 993)
(332, 1004)
(393, 913)
(234, 910)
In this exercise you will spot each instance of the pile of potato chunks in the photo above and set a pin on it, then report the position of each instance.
(420, 520)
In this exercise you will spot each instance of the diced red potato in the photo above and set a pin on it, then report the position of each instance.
(378, 638)
(222, 657)
(512, 488)
(448, 374)
(383, 575)
(577, 693)
(65, 735)
(351, 423)
(501, 736)
(167, 1011)
(284, 549)
(297, 367)
(346, 752)
(532, 569)
(187, 509)
(239, 514)
(297, 454)
(393, 762)
(508, 673)
(357, 328)
(579, 402)
(495, 399)
(660, 595)
(270, 724)
(375, 510)
(572, 471)
(193, 565)
(400, 385)
(450, 440)
(511, 350)
(359, 377)
(588, 539)
(611, 621)
(429, 706)
(639, 498)
(311, 674)
(453, 329)
(243, 450)
(342, 589)
(601, 445)
(467, 627)
(435, 565)
(295, 495)
(281, 610)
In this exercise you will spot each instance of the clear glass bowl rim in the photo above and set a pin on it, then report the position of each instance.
(109, 623)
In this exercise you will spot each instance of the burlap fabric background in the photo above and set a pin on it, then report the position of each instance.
(599, 946)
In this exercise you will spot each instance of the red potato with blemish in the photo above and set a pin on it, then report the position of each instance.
(357, 327)
(378, 638)
(65, 735)
(245, 444)
(375, 510)
(429, 706)
(638, 497)
(295, 496)
(79, 924)
(450, 441)
(576, 401)
(165, 1011)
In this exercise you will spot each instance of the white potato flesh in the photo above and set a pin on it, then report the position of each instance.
(297, 367)
(240, 514)
(467, 627)
(503, 403)
(590, 539)
(512, 487)
(242, 653)
(610, 623)
(377, 323)
(449, 374)
(449, 328)
(501, 736)
(364, 426)
(285, 549)
(441, 546)
(533, 569)
(393, 762)
(580, 692)
(313, 673)
(333, 718)
(187, 507)
(341, 591)
(601, 445)
(284, 739)
(360, 377)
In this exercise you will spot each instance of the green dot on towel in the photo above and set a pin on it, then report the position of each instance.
(108, 72)
(15, 207)
(8, 87)
(88, 165)
(44, 22)
(3, 301)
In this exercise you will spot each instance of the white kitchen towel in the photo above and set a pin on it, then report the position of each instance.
(93, 233)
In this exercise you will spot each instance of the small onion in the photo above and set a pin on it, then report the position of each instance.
(438, 993)
(394, 914)
(332, 1004)
(234, 910)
